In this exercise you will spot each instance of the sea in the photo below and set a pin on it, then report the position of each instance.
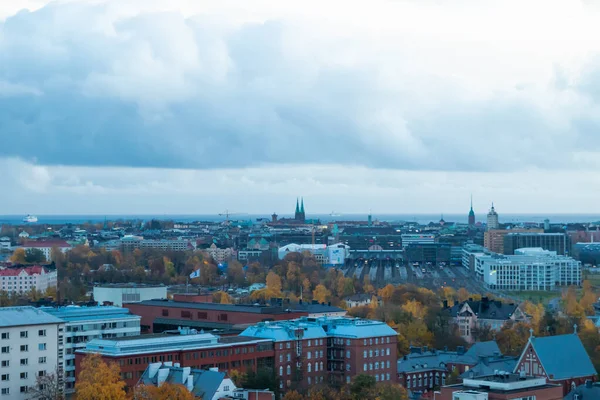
(392, 218)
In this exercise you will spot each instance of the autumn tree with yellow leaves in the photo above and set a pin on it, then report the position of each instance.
(99, 380)
(166, 391)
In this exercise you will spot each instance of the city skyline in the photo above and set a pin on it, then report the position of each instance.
(390, 105)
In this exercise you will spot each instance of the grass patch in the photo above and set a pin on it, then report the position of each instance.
(536, 296)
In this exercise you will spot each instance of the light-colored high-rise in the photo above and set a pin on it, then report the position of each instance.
(492, 219)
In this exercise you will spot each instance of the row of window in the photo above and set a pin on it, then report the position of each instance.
(376, 353)
(24, 348)
(425, 382)
(22, 334)
(376, 366)
(288, 370)
(24, 361)
(387, 340)
(22, 375)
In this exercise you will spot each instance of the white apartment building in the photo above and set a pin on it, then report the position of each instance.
(120, 293)
(528, 269)
(83, 324)
(46, 247)
(31, 345)
(220, 255)
(21, 280)
(130, 243)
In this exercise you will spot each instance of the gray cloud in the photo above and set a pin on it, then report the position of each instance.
(90, 85)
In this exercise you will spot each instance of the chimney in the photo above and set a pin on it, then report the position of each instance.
(470, 299)
(460, 350)
(445, 303)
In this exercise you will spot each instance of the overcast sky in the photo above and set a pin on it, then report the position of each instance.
(399, 106)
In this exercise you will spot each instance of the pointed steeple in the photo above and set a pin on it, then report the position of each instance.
(471, 201)
(302, 206)
(297, 206)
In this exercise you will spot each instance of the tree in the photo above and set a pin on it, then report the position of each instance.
(18, 256)
(221, 297)
(263, 378)
(386, 292)
(293, 395)
(415, 308)
(47, 387)
(34, 256)
(274, 282)
(321, 294)
(99, 380)
(235, 273)
(363, 387)
(391, 392)
(463, 294)
(165, 391)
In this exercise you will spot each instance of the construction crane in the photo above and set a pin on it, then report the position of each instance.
(227, 214)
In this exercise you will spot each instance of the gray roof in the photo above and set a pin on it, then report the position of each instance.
(590, 391)
(205, 383)
(563, 356)
(486, 309)
(489, 365)
(246, 308)
(436, 359)
(23, 316)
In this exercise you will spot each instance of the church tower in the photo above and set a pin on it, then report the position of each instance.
(471, 214)
(297, 216)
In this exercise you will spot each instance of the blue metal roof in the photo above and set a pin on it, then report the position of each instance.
(284, 331)
(76, 314)
(23, 316)
(563, 356)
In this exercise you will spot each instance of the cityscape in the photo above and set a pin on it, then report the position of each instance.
(285, 200)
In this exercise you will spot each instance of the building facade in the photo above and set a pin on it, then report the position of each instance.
(32, 345)
(21, 280)
(46, 246)
(557, 242)
(529, 269)
(493, 239)
(502, 386)
(492, 219)
(411, 238)
(121, 293)
(220, 255)
(187, 347)
(130, 243)
(83, 324)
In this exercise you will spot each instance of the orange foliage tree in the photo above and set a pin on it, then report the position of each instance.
(99, 380)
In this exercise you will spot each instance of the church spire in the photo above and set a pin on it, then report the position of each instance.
(471, 201)
(297, 206)
(302, 206)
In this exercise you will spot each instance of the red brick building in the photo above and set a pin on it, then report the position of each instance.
(188, 349)
(162, 315)
(315, 350)
(560, 359)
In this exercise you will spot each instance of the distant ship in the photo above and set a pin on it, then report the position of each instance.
(334, 214)
(30, 219)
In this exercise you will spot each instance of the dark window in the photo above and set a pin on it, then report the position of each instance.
(202, 315)
(165, 312)
(222, 317)
(186, 314)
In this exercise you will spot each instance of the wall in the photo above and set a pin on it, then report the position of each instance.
(115, 294)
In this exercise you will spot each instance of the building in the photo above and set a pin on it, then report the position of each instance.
(502, 386)
(311, 350)
(560, 360)
(130, 243)
(433, 253)
(423, 370)
(205, 384)
(589, 390)
(187, 347)
(334, 255)
(21, 280)
(411, 238)
(529, 269)
(469, 252)
(492, 219)
(471, 215)
(557, 242)
(121, 293)
(159, 316)
(32, 345)
(366, 237)
(83, 324)
(493, 239)
(358, 300)
(472, 315)
(299, 214)
(46, 246)
(220, 255)
(5, 243)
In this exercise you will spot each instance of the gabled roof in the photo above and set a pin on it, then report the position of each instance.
(205, 384)
(47, 243)
(562, 356)
(484, 349)
(489, 309)
(32, 270)
(587, 391)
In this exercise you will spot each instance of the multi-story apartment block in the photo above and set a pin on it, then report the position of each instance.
(31, 346)
(557, 242)
(130, 243)
(220, 255)
(493, 239)
(311, 350)
(528, 269)
(21, 280)
(83, 324)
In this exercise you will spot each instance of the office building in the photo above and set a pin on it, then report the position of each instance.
(21, 280)
(411, 238)
(187, 347)
(31, 346)
(493, 240)
(334, 255)
(220, 255)
(529, 269)
(492, 219)
(130, 243)
(558, 242)
(469, 252)
(120, 293)
(502, 386)
(433, 253)
(83, 324)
